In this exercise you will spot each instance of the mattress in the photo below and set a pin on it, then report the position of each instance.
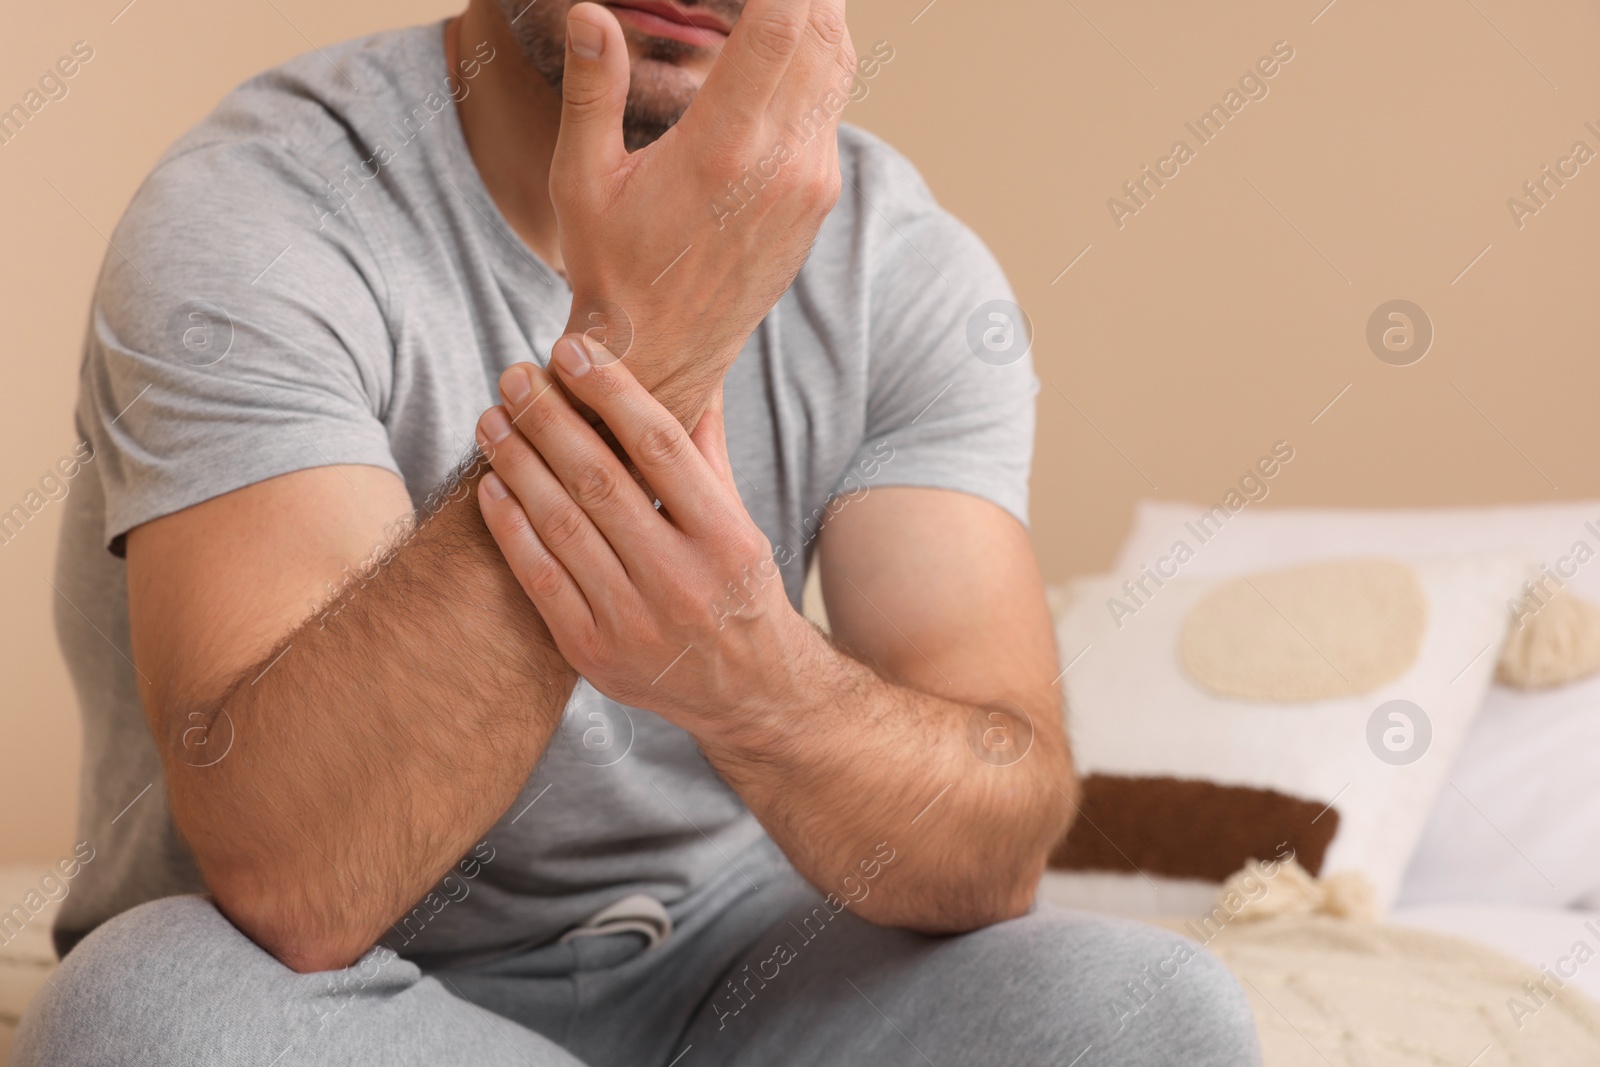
(26, 954)
(1567, 943)
(1564, 944)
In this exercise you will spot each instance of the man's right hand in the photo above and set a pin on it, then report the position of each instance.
(676, 252)
(357, 711)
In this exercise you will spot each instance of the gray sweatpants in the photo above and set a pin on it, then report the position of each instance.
(757, 972)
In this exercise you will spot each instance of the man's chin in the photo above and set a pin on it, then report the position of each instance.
(659, 95)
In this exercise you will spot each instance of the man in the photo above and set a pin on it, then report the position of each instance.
(536, 762)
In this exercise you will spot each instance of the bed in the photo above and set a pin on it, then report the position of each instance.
(26, 955)
(1431, 815)
(1406, 702)
(1293, 1028)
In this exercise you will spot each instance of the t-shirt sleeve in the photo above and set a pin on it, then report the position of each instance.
(951, 388)
(237, 334)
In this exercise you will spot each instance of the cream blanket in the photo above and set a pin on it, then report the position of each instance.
(1332, 991)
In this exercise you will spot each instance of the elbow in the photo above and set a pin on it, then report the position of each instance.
(964, 917)
(1002, 900)
(983, 900)
(283, 925)
(1015, 897)
(1059, 789)
(1003, 884)
(306, 957)
(290, 905)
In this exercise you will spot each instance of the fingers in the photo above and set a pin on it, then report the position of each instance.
(752, 65)
(563, 526)
(594, 92)
(541, 575)
(792, 130)
(825, 63)
(655, 441)
(590, 472)
(710, 438)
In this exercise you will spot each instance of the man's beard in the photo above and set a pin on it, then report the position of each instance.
(653, 106)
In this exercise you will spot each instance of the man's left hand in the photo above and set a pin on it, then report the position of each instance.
(680, 609)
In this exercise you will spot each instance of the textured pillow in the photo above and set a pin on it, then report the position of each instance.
(1560, 541)
(1519, 821)
(1185, 784)
(1557, 645)
(1366, 616)
(1331, 992)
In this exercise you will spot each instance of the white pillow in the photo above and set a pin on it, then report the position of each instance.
(1519, 820)
(1130, 897)
(1134, 712)
(1524, 807)
(1257, 538)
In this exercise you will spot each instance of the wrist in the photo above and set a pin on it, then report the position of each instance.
(682, 366)
(783, 695)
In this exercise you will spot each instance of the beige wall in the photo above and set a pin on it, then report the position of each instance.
(1222, 317)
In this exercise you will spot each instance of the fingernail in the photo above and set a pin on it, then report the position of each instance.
(494, 486)
(495, 426)
(587, 39)
(515, 384)
(571, 357)
(599, 354)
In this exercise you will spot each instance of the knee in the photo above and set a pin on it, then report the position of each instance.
(106, 1002)
(1200, 1010)
(173, 981)
(1165, 999)
(1137, 994)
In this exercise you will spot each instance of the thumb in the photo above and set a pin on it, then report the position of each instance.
(594, 91)
(711, 438)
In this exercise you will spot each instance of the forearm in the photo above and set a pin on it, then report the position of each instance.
(850, 761)
(678, 612)
(372, 746)
(682, 375)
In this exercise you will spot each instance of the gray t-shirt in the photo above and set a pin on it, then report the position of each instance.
(316, 275)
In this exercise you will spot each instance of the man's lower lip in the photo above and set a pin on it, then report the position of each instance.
(656, 26)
